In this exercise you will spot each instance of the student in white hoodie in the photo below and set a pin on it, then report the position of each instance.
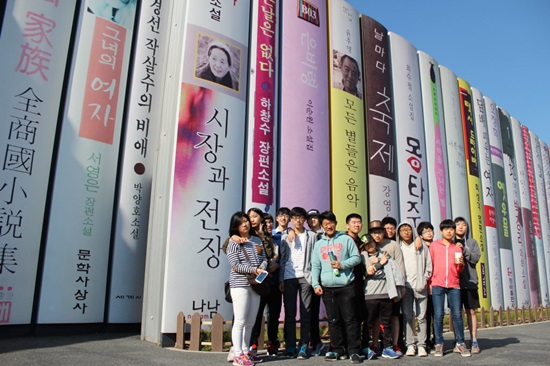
(418, 269)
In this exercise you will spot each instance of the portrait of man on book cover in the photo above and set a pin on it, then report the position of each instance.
(346, 74)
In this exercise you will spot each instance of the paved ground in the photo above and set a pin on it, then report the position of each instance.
(523, 345)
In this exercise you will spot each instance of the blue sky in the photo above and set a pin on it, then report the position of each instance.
(501, 47)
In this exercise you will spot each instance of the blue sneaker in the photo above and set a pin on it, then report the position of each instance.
(388, 352)
(368, 352)
(302, 353)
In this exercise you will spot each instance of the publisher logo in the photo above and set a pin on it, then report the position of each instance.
(308, 12)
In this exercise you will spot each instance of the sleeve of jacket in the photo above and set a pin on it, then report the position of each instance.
(283, 257)
(472, 252)
(354, 258)
(397, 273)
(399, 261)
(429, 264)
(315, 268)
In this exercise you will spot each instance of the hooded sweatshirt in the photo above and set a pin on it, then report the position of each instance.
(472, 255)
(386, 282)
(445, 272)
(346, 253)
(418, 264)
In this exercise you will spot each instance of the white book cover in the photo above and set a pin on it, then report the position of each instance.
(411, 155)
(488, 194)
(516, 223)
(76, 259)
(458, 183)
(503, 205)
(35, 43)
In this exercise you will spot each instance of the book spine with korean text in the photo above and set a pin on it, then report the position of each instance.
(35, 41)
(207, 185)
(526, 212)
(76, 258)
(502, 205)
(531, 159)
(304, 124)
(411, 156)
(347, 126)
(477, 221)
(142, 126)
(262, 112)
(516, 223)
(436, 143)
(492, 247)
(458, 181)
(543, 231)
(544, 193)
(380, 121)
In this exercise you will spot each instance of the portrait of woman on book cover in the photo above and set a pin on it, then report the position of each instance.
(217, 62)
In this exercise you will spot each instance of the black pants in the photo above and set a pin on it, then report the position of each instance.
(363, 317)
(343, 322)
(430, 335)
(382, 309)
(273, 301)
(315, 333)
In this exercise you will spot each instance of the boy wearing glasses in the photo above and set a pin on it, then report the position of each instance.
(425, 237)
(418, 269)
(332, 262)
(295, 281)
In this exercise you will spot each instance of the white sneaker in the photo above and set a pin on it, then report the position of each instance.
(230, 355)
(422, 352)
(410, 351)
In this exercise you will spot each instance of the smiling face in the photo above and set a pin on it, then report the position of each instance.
(255, 219)
(268, 225)
(390, 230)
(219, 63)
(350, 74)
(282, 220)
(461, 228)
(329, 227)
(354, 226)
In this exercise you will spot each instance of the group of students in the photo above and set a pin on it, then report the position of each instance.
(373, 286)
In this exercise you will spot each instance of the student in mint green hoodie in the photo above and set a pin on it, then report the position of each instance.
(332, 261)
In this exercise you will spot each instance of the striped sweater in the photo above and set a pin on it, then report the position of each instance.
(238, 263)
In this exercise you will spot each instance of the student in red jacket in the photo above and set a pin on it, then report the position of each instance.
(448, 263)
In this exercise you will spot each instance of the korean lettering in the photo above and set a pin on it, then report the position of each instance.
(216, 10)
(202, 304)
(82, 279)
(309, 77)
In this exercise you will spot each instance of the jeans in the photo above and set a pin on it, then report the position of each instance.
(455, 304)
(293, 288)
(413, 303)
(343, 323)
(245, 308)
